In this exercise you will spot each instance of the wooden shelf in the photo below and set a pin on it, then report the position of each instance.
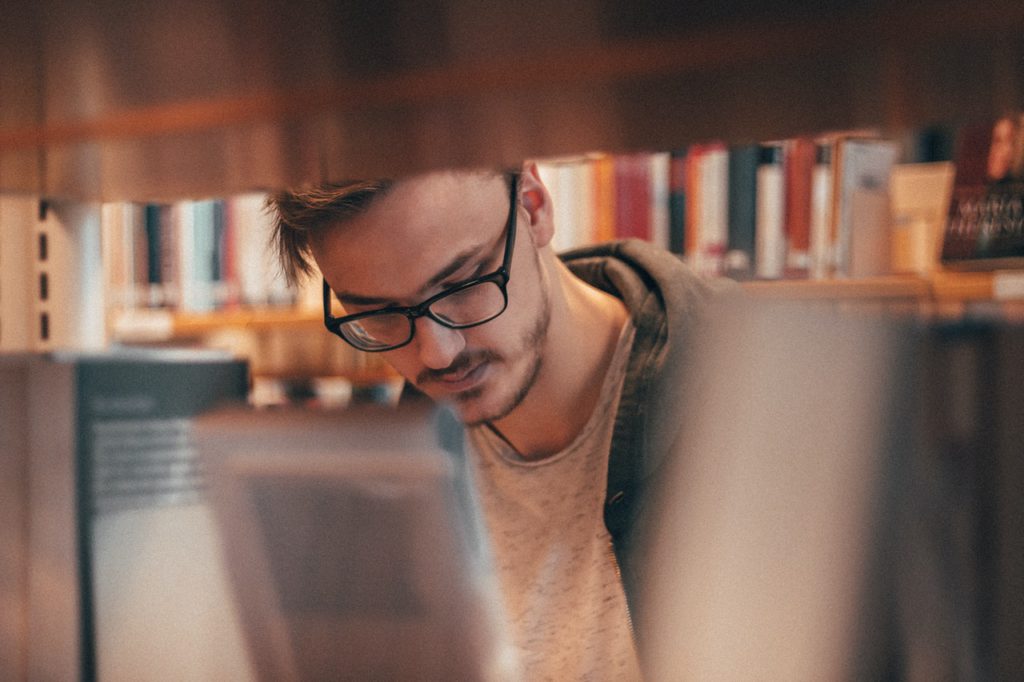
(872, 288)
(147, 326)
(255, 319)
(741, 43)
(941, 287)
(1000, 285)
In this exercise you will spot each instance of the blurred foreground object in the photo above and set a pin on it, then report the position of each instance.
(845, 503)
(353, 544)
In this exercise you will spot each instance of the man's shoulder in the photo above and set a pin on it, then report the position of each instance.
(634, 269)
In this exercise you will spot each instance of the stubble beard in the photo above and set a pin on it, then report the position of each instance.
(531, 346)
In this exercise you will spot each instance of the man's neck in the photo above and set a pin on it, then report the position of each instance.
(585, 328)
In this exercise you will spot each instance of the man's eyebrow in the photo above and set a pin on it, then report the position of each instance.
(453, 266)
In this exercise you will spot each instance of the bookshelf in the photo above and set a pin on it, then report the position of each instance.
(119, 116)
(158, 102)
(940, 287)
(280, 96)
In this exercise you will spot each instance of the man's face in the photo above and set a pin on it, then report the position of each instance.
(422, 237)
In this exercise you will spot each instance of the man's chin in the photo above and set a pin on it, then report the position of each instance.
(472, 407)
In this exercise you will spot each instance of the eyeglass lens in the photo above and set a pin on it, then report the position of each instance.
(466, 307)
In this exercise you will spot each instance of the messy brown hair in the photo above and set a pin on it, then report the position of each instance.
(300, 214)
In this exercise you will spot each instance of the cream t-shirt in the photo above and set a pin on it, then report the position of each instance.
(553, 555)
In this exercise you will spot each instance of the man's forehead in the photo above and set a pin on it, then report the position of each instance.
(420, 228)
(444, 203)
(441, 189)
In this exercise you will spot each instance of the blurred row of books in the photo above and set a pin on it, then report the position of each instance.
(839, 206)
(831, 206)
(193, 256)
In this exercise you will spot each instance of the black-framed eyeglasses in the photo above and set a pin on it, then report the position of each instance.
(463, 305)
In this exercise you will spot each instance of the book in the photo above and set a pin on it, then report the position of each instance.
(770, 230)
(554, 175)
(660, 165)
(677, 202)
(822, 246)
(693, 209)
(861, 215)
(604, 197)
(632, 196)
(921, 193)
(260, 280)
(985, 225)
(713, 212)
(570, 184)
(740, 256)
(122, 577)
(800, 153)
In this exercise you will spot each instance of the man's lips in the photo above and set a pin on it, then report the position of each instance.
(460, 376)
(456, 382)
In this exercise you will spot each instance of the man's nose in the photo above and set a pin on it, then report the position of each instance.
(438, 345)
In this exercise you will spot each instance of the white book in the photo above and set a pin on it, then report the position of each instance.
(556, 176)
(714, 214)
(822, 247)
(261, 281)
(861, 206)
(770, 231)
(660, 163)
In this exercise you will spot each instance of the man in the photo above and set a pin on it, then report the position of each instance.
(566, 371)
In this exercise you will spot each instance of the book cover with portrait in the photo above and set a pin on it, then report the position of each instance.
(985, 229)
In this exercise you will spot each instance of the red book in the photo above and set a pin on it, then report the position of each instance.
(633, 196)
(693, 197)
(799, 166)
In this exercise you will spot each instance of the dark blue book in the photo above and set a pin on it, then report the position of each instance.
(677, 202)
(741, 250)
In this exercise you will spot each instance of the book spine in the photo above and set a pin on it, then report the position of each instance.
(584, 204)
(714, 214)
(771, 200)
(604, 198)
(677, 202)
(799, 165)
(694, 218)
(633, 197)
(863, 214)
(154, 267)
(660, 164)
(553, 175)
(229, 255)
(184, 242)
(740, 256)
(821, 247)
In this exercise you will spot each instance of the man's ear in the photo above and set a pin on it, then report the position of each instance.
(537, 201)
